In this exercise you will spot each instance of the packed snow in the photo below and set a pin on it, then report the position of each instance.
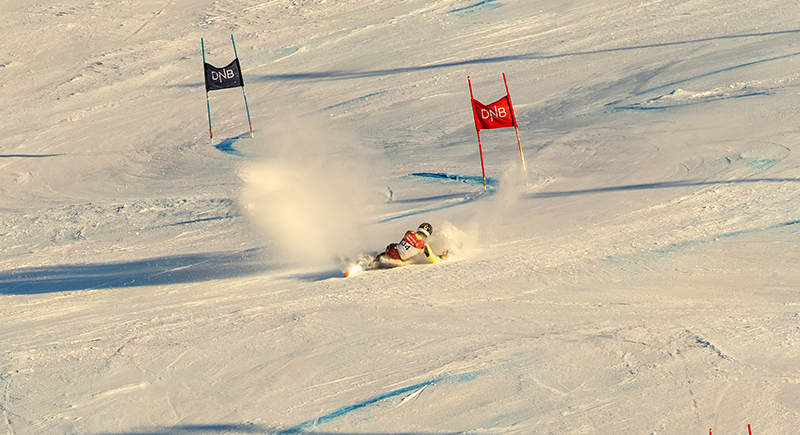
(641, 276)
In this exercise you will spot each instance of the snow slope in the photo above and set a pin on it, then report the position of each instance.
(643, 281)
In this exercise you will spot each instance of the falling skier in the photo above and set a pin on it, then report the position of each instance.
(404, 253)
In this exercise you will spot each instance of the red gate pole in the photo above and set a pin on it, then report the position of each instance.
(477, 130)
(516, 128)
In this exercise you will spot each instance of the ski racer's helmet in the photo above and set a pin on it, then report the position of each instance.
(426, 229)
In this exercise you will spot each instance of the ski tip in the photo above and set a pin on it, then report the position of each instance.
(352, 271)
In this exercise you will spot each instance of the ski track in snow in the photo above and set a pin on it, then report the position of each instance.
(413, 389)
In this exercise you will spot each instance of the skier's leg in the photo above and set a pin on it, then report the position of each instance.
(433, 258)
(389, 258)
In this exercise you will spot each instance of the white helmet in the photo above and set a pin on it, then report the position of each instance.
(426, 229)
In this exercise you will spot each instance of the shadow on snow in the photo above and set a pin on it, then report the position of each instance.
(351, 74)
(175, 269)
(28, 156)
(226, 145)
(444, 201)
(661, 185)
(344, 74)
(199, 429)
(308, 426)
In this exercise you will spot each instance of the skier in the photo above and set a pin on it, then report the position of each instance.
(407, 251)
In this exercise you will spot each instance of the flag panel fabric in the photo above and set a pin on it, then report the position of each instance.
(229, 76)
(499, 114)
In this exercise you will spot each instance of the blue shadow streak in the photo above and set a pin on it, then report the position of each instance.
(475, 6)
(244, 428)
(226, 146)
(673, 106)
(741, 233)
(354, 100)
(735, 67)
(455, 199)
(177, 269)
(468, 179)
(661, 185)
(354, 74)
(28, 156)
(617, 105)
(675, 247)
(445, 379)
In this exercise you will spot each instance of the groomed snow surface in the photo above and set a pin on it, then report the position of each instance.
(645, 279)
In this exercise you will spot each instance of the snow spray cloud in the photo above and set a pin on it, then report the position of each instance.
(503, 203)
(309, 194)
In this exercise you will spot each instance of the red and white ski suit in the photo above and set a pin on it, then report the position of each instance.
(411, 245)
